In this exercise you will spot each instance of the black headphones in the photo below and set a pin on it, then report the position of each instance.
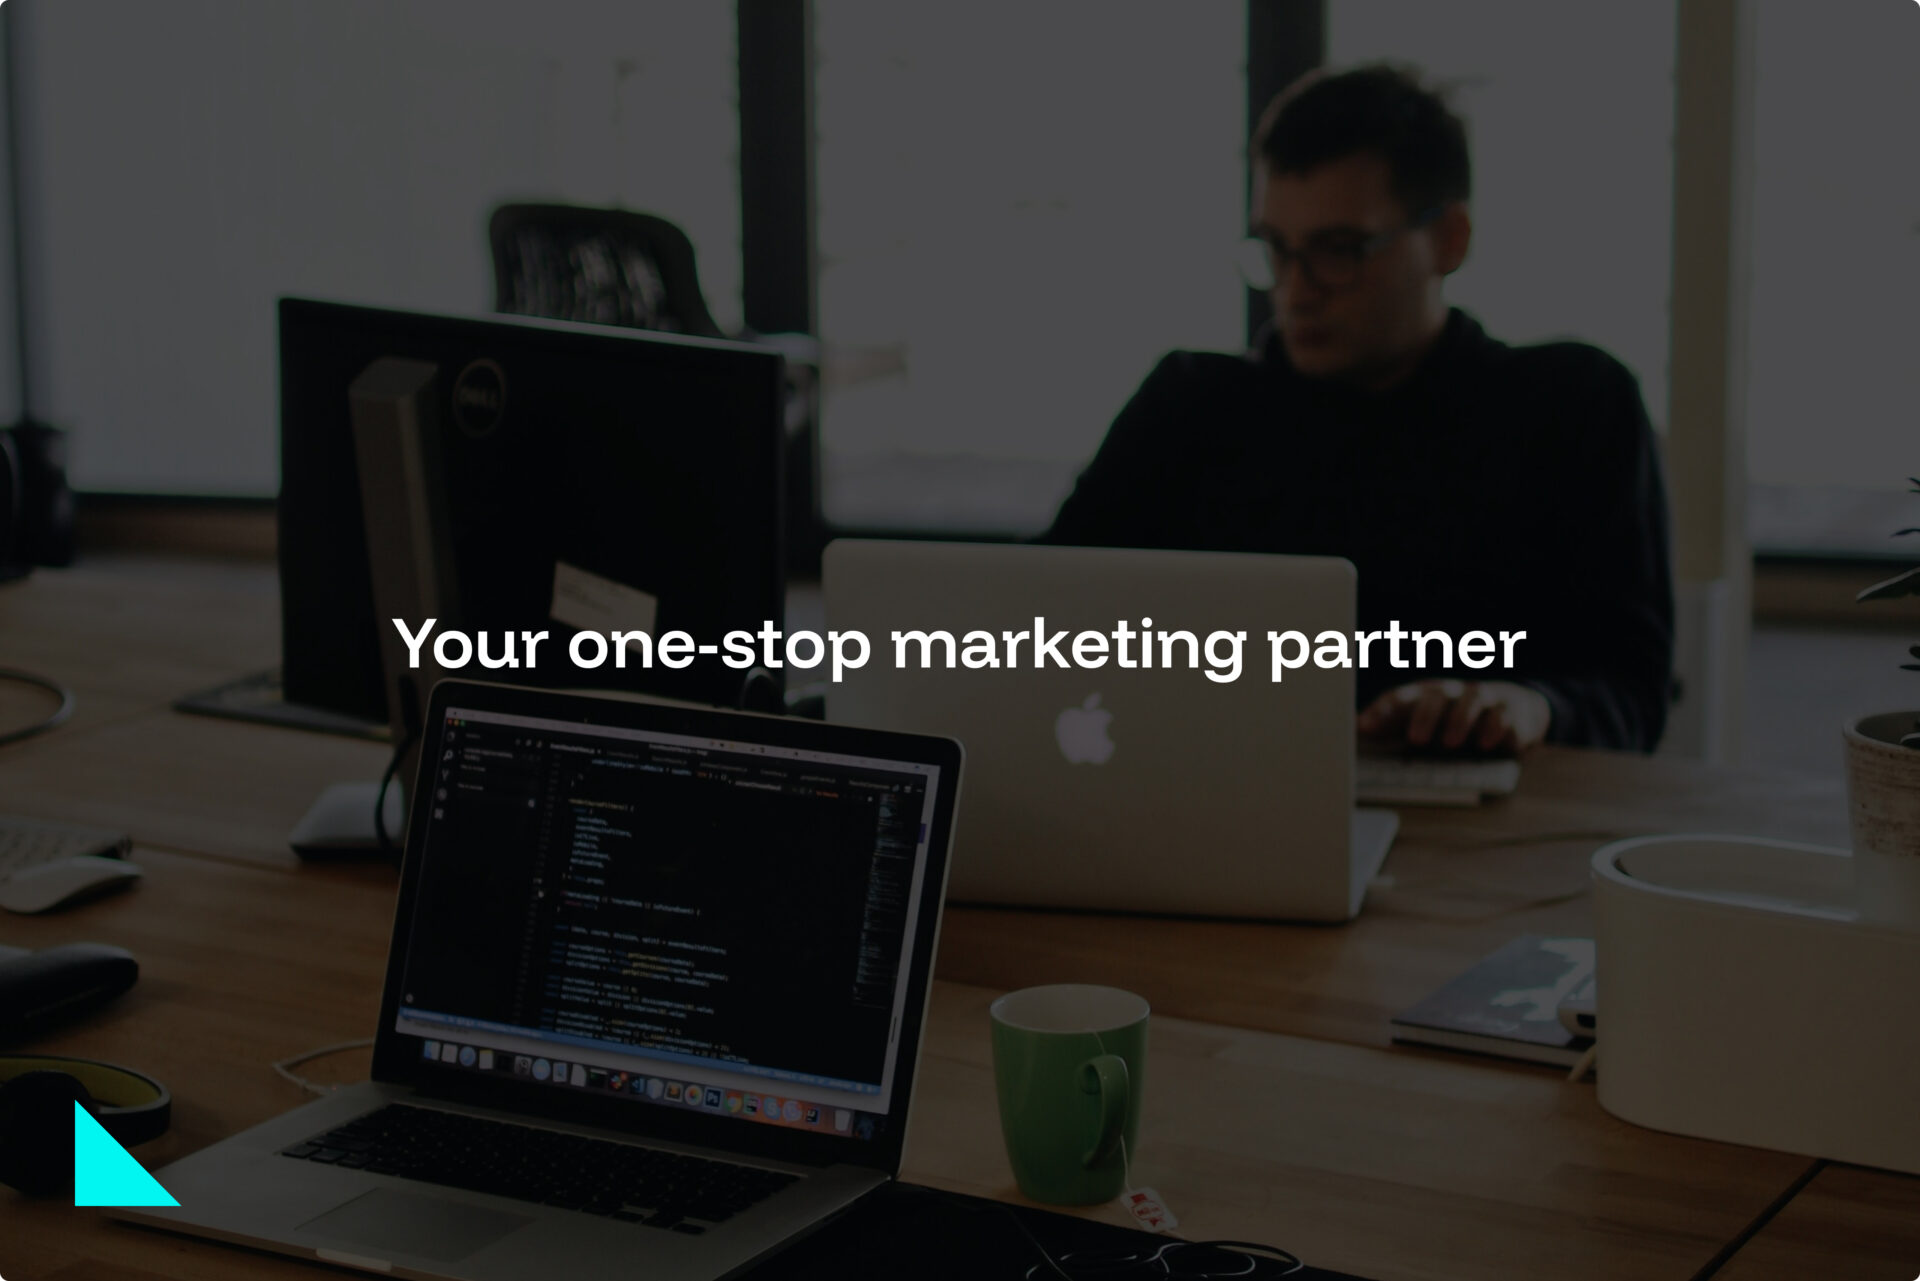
(37, 1094)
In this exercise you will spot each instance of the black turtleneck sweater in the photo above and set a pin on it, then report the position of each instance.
(1495, 488)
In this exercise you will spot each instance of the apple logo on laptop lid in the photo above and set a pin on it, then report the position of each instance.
(1082, 732)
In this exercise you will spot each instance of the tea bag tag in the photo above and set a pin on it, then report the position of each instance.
(1145, 1205)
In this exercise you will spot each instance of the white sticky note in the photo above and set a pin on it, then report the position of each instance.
(595, 604)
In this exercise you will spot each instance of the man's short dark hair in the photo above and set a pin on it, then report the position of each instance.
(1379, 109)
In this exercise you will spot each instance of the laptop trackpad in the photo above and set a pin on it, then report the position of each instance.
(387, 1222)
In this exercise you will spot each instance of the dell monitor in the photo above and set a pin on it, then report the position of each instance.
(645, 466)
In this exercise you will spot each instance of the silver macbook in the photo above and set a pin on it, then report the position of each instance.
(652, 1007)
(1138, 785)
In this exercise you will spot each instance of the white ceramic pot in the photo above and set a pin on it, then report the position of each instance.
(1883, 805)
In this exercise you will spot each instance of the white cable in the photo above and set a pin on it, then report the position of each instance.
(285, 1066)
(54, 719)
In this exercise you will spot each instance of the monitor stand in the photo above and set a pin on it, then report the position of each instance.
(397, 446)
(340, 824)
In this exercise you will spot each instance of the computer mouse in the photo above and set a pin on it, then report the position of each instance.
(64, 881)
(41, 990)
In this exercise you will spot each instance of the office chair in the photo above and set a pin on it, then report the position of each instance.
(601, 266)
(619, 267)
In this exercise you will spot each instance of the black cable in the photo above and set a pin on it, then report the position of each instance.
(380, 797)
(58, 717)
(410, 717)
(1720, 1260)
(1170, 1258)
(1039, 1249)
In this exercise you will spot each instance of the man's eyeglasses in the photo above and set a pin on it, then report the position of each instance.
(1329, 259)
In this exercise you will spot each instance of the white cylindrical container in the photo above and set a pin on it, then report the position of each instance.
(1740, 997)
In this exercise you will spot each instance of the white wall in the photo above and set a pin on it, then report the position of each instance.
(190, 161)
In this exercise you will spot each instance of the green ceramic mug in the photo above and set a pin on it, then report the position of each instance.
(1069, 1062)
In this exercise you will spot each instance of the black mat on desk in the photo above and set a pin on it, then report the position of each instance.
(261, 699)
(903, 1230)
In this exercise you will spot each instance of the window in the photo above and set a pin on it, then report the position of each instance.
(1021, 208)
(1836, 271)
(187, 163)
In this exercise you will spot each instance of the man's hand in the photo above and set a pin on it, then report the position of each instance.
(1490, 716)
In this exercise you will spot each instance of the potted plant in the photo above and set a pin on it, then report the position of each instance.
(1883, 789)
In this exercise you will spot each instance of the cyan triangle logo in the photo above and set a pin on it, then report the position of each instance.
(104, 1173)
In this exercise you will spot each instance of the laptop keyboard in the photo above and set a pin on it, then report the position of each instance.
(660, 1189)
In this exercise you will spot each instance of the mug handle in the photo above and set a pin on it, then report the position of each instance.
(1106, 1075)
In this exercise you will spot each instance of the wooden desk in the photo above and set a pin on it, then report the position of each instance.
(134, 635)
(1848, 1225)
(131, 635)
(1388, 1165)
(1463, 882)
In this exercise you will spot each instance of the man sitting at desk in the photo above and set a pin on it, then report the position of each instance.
(1476, 486)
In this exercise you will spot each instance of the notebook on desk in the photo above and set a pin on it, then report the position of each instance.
(1508, 1004)
(653, 1001)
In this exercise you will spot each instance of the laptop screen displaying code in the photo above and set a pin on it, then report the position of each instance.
(696, 922)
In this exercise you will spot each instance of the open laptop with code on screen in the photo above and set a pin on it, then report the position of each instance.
(653, 1001)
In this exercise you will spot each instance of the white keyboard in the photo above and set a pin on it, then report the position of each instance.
(1423, 780)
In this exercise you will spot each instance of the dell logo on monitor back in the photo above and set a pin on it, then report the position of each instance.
(480, 398)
